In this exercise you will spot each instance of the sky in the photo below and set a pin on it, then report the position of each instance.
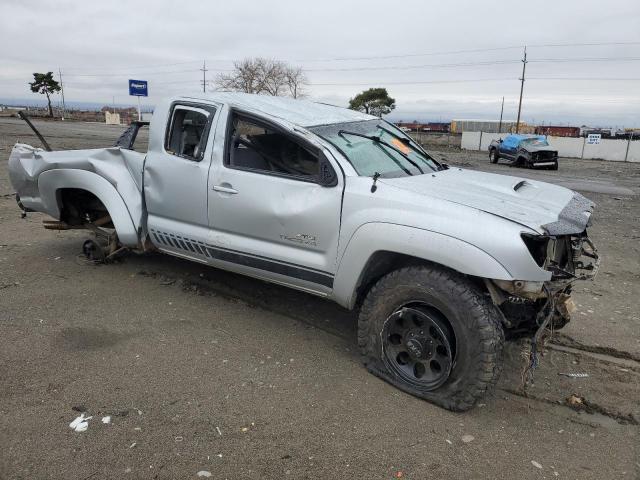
(439, 60)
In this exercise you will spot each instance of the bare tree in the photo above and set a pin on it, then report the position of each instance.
(273, 74)
(244, 78)
(265, 76)
(296, 82)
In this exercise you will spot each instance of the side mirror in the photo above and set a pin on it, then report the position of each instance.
(327, 176)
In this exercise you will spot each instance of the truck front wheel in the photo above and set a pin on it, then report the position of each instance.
(432, 333)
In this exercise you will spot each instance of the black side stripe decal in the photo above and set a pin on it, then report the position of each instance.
(254, 261)
(271, 266)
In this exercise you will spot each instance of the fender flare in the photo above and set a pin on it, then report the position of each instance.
(431, 246)
(51, 181)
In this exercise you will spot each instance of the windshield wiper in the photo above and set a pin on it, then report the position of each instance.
(415, 146)
(378, 140)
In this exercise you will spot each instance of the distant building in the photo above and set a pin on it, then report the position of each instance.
(489, 126)
(557, 131)
(440, 127)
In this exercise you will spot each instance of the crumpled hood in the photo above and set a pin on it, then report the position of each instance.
(540, 148)
(543, 207)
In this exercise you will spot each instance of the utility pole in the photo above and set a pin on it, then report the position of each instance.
(204, 76)
(524, 66)
(501, 110)
(62, 92)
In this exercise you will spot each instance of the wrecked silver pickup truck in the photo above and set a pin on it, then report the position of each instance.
(441, 263)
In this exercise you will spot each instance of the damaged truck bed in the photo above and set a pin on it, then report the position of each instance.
(441, 263)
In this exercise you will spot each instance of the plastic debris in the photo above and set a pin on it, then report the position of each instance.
(449, 441)
(468, 438)
(574, 400)
(536, 464)
(106, 420)
(574, 375)
(204, 473)
(80, 424)
(218, 430)
(133, 445)
(399, 474)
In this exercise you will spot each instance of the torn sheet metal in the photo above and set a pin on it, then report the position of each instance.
(121, 168)
(573, 218)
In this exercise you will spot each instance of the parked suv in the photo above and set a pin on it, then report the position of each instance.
(529, 151)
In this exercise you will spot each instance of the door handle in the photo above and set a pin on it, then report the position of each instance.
(224, 189)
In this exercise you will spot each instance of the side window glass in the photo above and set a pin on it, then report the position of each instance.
(187, 135)
(252, 146)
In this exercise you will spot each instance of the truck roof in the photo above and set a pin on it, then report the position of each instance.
(304, 113)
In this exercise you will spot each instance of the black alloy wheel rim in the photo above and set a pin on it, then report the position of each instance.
(418, 346)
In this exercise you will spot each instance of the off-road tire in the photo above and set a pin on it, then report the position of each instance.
(475, 321)
(494, 156)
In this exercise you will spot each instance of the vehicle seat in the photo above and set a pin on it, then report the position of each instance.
(189, 140)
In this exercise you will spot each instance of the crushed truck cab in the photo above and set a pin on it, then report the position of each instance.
(440, 262)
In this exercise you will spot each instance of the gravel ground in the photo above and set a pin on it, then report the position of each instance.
(203, 370)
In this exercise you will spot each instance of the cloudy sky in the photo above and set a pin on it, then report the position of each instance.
(439, 60)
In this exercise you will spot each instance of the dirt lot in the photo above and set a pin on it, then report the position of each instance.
(202, 370)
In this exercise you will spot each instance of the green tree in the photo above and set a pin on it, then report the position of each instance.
(375, 101)
(45, 84)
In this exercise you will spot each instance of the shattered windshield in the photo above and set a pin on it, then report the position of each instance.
(535, 142)
(376, 146)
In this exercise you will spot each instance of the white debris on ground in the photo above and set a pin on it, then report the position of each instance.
(80, 424)
(204, 473)
(106, 420)
(468, 438)
(536, 464)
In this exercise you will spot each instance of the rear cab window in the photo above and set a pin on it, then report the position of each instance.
(188, 130)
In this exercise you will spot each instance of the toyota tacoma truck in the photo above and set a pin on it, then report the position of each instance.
(441, 263)
(531, 151)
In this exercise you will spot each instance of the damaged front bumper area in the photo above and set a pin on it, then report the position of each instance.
(525, 305)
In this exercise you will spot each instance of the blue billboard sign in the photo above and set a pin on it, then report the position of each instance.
(138, 88)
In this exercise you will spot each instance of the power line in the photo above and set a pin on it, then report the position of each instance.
(140, 66)
(475, 50)
(374, 57)
(167, 72)
(417, 82)
(408, 67)
(597, 44)
(407, 55)
(398, 67)
(599, 79)
(585, 59)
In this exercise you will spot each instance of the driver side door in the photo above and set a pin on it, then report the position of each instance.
(274, 205)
